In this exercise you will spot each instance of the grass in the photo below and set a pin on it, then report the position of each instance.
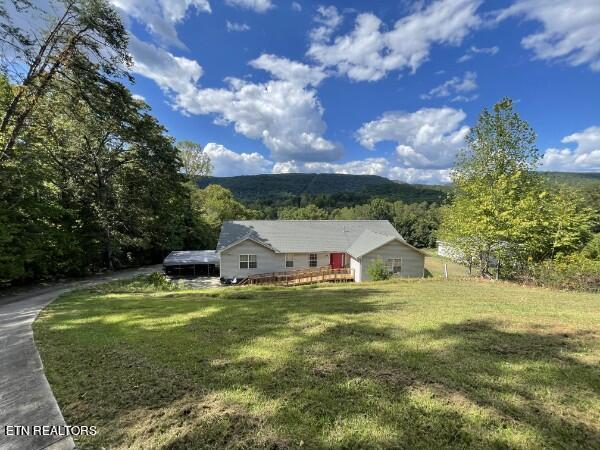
(405, 364)
(434, 266)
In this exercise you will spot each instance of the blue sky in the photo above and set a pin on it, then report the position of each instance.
(378, 87)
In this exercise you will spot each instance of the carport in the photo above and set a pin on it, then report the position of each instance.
(192, 263)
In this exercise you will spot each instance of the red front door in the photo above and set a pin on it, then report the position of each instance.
(336, 260)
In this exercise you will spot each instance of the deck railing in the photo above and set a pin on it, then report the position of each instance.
(302, 276)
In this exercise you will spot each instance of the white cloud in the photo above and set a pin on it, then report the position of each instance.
(228, 163)
(426, 139)
(296, 6)
(473, 50)
(254, 5)
(368, 53)
(368, 166)
(454, 86)
(285, 69)
(234, 26)
(585, 157)
(328, 19)
(174, 74)
(284, 113)
(570, 30)
(161, 16)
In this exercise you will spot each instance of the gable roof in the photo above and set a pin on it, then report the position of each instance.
(369, 241)
(302, 236)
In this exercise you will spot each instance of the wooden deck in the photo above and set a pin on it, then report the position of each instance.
(302, 276)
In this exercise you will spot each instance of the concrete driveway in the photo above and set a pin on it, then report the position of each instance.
(25, 395)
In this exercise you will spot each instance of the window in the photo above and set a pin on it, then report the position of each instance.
(394, 265)
(247, 261)
(289, 260)
(312, 260)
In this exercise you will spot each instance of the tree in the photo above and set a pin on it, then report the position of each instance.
(500, 208)
(195, 163)
(213, 205)
(78, 40)
(308, 212)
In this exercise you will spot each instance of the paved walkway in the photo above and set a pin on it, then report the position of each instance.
(25, 395)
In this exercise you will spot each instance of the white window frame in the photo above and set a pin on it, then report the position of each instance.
(289, 260)
(248, 261)
(311, 260)
(392, 263)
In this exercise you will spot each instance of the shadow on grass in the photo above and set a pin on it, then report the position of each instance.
(285, 368)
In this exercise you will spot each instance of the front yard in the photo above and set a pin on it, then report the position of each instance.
(404, 364)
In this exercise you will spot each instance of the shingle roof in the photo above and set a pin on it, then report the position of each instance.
(302, 236)
(182, 258)
(368, 241)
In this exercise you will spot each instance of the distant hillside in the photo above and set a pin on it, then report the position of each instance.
(343, 189)
(582, 180)
(337, 190)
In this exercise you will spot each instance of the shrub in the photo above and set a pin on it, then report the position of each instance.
(144, 283)
(592, 249)
(574, 272)
(378, 271)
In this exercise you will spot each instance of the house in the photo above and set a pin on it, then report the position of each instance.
(252, 247)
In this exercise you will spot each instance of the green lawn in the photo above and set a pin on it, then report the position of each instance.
(403, 364)
(434, 266)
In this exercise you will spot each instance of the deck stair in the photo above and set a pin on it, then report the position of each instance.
(302, 276)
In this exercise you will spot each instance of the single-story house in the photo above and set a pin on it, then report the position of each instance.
(252, 247)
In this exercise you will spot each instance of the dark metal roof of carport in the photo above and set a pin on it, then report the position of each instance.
(184, 258)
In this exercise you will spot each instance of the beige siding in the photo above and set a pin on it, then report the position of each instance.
(413, 262)
(355, 265)
(266, 260)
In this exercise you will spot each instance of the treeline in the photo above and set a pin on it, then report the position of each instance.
(88, 178)
(323, 190)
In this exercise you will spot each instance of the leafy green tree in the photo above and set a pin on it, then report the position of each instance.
(592, 248)
(308, 212)
(85, 38)
(213, 205)
(194, 162)
(500, 208)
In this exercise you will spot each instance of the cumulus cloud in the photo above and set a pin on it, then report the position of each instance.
(234, 26)
(228, 163)
(369, 52)
(254, 5)
(473, 50)
(328, 20)
(161, 16)
(570, 30)
(426, 139)
(455, 86)
(284, 113)
(173, 74)
(585, 157)
(285, 69)
(368, 166)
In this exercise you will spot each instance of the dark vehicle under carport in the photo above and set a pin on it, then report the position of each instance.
(201, 263)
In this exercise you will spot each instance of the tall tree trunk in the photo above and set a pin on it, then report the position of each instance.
(108, 254)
